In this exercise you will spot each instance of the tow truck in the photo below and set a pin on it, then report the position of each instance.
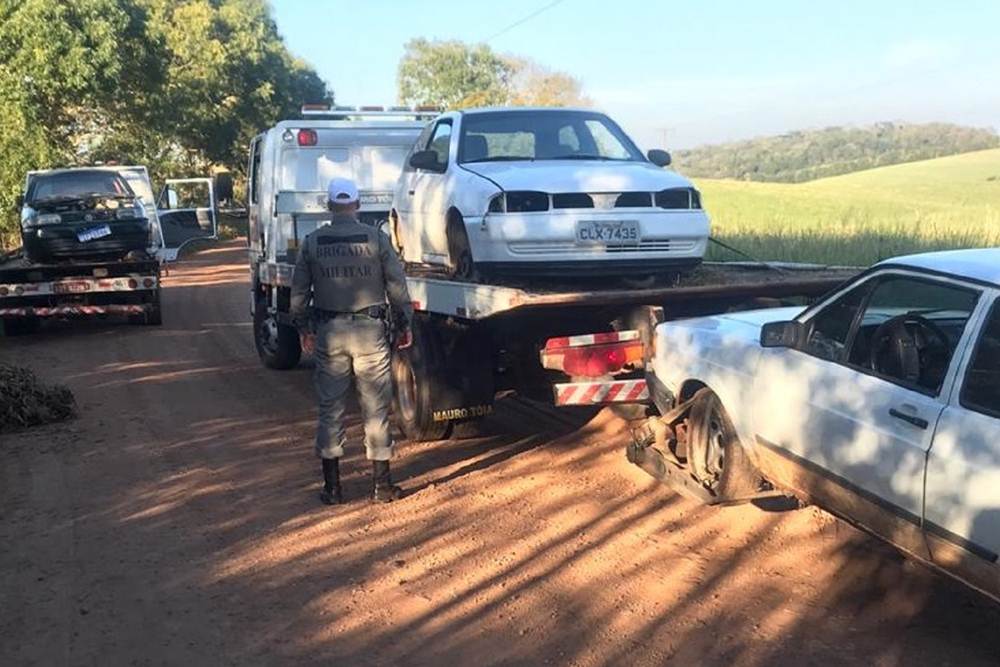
(72, 286)
(577, 343)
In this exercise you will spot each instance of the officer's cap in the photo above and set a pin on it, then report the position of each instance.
(342, 191)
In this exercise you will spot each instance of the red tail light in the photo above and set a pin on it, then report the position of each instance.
(308, 138)
(608, 354)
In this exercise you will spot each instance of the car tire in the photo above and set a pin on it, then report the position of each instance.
(415, 386)
(715, 454)
(278, 345)
(461, 265)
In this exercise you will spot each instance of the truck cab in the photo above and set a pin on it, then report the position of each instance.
(289, 168)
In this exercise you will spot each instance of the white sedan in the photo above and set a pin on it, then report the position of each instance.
(543, 191)
(880, 403)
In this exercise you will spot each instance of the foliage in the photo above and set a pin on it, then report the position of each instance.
(456, 75)
(179, 86)
(804, 156)
(861, 218)
(24, 401)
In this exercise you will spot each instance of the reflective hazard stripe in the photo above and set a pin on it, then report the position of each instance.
(591, 339)
(69, 311)
(595, 393)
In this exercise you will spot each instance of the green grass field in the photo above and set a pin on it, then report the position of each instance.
(860, 218)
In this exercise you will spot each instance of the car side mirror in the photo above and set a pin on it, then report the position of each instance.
(223, 186)
(659, 157)
(19, 202)
(425, 160)
(782, 334)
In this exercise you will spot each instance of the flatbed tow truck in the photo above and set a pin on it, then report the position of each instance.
(570, 343)
(579, 342)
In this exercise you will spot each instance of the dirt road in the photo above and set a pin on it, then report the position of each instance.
(176, 522)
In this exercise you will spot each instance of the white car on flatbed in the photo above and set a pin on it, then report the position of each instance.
(543, 191)
(881, 403)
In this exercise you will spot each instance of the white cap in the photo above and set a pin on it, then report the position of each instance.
(342, 191)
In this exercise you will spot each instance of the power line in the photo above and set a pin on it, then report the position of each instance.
(527, 18)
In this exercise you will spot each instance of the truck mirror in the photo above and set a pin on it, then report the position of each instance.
(782, 334)
(659, 157)
(223, 186)
(171, 198)
(425, 160)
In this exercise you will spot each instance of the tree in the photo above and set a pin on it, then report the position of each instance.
(178, 86)
(452, 74)
(535, 85)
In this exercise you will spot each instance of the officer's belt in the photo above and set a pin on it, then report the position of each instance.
(373, 312)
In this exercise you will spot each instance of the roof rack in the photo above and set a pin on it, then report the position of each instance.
(344, 112)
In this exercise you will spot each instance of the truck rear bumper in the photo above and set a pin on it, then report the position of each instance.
(80, 310)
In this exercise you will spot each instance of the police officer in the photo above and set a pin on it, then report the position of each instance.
(349, 268)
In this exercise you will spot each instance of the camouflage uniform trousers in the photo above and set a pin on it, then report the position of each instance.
(346, 346)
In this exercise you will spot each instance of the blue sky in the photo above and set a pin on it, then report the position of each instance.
(677, 74)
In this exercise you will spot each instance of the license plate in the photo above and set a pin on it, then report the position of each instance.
(70, 287)
(619, 232)
(93, 233)
(376, 198)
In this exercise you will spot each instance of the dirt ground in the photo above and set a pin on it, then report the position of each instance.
(176, 522)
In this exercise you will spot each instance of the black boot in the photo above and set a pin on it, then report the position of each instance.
(331, 495)
(384, 490)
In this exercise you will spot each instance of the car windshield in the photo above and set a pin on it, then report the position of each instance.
(555, 134)
(77, 184)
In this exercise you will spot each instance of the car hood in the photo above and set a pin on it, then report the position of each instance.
(555, 176)
(746, 324)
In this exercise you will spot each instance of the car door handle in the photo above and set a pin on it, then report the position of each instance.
(909, 419)
(411, 192)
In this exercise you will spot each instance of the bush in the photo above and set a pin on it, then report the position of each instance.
(25, 401)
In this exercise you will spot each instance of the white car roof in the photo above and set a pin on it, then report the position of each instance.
(516, 109)
(982, 264)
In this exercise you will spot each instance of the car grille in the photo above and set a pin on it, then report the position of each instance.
(566, 247)
(673, 198)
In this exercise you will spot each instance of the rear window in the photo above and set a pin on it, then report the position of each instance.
(371, 167)
(72, 184)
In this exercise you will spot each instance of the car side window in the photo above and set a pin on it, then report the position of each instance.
(909, 330)
(440, 142)
(255, 171)
(981, 391)
(830, 329)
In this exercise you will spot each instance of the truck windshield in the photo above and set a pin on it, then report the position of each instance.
(556, 134)
(77, 184)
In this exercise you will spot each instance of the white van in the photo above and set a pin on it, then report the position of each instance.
(290, 166)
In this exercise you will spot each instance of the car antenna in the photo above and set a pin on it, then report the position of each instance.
(743, 254)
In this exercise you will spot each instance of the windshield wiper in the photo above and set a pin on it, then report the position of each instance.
(583, 156)
(501, 158)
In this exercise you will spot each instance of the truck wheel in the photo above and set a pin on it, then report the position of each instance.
(20, 326)
(153, 316)
(415, 387)
(278, 345)
(715, 454)
(460, 262)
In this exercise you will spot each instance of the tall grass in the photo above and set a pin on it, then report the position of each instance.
(861, 218)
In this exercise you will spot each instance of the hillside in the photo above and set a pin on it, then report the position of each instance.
(807, 155)
(860, 218)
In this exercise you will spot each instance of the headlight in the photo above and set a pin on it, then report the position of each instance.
(496, 204)
(127, 213)
(48, 219)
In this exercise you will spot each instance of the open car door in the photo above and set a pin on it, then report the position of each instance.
(187, 211)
